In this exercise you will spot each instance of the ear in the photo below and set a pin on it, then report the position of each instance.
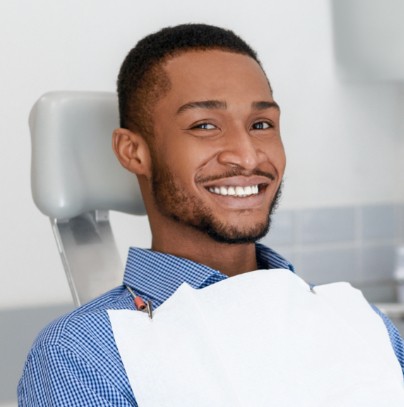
(132, 151)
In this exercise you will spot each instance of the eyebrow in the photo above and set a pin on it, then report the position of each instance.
(262, 105)
(218, 104)
(203, 104)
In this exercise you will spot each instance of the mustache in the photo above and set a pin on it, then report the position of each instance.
(236, 172)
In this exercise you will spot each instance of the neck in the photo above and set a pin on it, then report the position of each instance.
(229, 259)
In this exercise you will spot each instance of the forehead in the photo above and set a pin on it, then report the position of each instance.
(215, 74)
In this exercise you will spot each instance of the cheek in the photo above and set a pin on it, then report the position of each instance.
(276, 155)
(281, 158)
(186, 157)
(180, 162)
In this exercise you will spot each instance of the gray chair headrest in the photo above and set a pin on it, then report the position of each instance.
(74, 169)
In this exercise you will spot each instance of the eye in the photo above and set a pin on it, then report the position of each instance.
(262, 125)
(204, 126)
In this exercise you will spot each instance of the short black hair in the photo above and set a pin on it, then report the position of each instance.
(142, 80)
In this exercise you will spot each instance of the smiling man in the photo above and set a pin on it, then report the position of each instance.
(200, 130)
(211, 169)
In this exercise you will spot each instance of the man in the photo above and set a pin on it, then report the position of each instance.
(200, 129)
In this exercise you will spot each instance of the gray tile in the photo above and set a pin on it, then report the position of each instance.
(379, 222)
(18, 330)
(380, 292)
(400, 211)
(282, 231)
(378, 262)
(319, 266)
(325, 225)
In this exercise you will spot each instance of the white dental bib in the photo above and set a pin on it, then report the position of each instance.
(260, 339)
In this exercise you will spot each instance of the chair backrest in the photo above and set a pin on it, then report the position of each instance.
(76, 180)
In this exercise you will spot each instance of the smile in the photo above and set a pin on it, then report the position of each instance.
(237, 191)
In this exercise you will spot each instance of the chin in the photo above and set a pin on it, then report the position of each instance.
(234, 235)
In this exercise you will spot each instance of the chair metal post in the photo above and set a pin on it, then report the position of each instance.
(89, 254)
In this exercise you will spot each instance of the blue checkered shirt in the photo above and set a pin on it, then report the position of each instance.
(75, 361)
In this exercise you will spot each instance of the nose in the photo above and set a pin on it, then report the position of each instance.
(241, 149)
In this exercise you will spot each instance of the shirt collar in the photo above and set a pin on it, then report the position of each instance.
(156, 275)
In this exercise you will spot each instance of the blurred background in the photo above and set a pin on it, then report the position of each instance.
(337, 69)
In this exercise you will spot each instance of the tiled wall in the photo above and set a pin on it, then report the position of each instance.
(354, 243)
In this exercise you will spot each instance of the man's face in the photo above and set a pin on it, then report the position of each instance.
(217, 155)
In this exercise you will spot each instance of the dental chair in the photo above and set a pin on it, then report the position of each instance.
(76, 180)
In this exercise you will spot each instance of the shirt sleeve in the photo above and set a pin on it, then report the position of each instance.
(395, 338)
(55, 376)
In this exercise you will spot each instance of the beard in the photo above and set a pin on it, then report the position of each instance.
(172, 202)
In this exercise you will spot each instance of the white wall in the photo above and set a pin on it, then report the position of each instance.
(342, 139)
(400, 148)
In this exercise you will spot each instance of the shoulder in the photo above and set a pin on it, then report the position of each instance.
(76, 358)
(89, 321)
(395, 338)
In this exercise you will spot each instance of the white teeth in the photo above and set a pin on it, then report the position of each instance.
(235, 191)
(240, 191)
